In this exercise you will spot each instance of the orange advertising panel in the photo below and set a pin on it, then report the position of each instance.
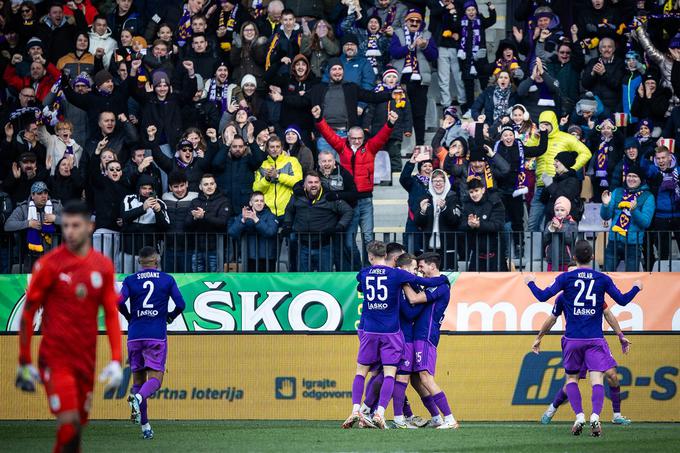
(501, 301)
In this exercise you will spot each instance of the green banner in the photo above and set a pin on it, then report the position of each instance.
(299, 302)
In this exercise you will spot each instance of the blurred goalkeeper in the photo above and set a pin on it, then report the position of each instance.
(70, 283)
(149, 291)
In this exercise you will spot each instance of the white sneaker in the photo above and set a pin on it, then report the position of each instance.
(417, 421)
(434, 424)
(404, 425)
(448, 425)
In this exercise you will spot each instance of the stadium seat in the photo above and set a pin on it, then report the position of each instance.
(382, 170)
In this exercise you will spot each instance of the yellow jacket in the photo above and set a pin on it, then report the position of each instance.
(277, 193)
(558, 141)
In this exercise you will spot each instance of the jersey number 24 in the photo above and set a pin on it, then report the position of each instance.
(588, 293)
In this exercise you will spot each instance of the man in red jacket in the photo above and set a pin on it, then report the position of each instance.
(43, 76)
(357, 156)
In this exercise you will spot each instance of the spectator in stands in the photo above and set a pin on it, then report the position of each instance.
(317, 222)
(375, 116)
(372, 37)
(80, 60)
(41, 77)
(564, 184)
(495, 100)
(144, 215)
(66, 183)
(100, 38)
(59, 145)
(36, 221)
(632, 80)
(24, 174)
(472, 52)
(665, 186)
(445, 28)
(631, 156)
(539, 92)
(295, 147)
(357, 155)
(413, 51)
(651, 101)
(285, 42)
(391, 14)
(664, 61)
(249, 52)
(482, 218)
(268, 23)
(565, 66)
(604, 75)
(256, 227)
(58, 33)
(201, 55)
(234, 166)
(141, 163)
(124, 17)
(318, 46)
(566, 228)
(438, 218)
(208, 213)
(606, 145)
(356, 68)
(630, 209)
(558, 141)
(6, 209)
(178, 202)
(76, 116)
(276, 177)
(417, 187)
(185, 159)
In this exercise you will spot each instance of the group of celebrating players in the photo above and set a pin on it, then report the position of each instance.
(398, 333)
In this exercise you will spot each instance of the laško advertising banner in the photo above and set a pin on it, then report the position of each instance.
(329, 302)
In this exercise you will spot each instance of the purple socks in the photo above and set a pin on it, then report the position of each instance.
(615, 395)
(386, 391)
(560, 398)
(574, 396)
(399, 396)
(598, 398)
(373, 390)
(430, 405)
(358, 388)
(442, 403)
(150, 387)
(407, 407)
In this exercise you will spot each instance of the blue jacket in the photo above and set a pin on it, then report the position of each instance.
(667, 203)
(358, 71)
(629, 90)
(260, 239)
(641, 216)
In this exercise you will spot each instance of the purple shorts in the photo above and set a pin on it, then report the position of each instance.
(147, 354)
(425, 356)
(589, 355)
(610, 360)
(380, 348)
(406, 364)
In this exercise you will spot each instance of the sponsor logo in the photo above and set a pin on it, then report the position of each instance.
(226, 393)
(377, 306)
(541, 376)
(285, 388)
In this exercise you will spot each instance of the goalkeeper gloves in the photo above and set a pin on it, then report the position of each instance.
(111, 376)
(27, 377)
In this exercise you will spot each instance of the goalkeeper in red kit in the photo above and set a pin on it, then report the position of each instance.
(70, 283)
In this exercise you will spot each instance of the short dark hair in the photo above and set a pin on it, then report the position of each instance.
(76, 207)
(256, 193)
(208, 175)
(376, 248)
(199, 35)
(404, 259)
(312, 173)
(147, 252)
(394, 247)
(177, 177)
(661, 149)
(430, 258)
(583, 252)
(287, 12)
(101, 17)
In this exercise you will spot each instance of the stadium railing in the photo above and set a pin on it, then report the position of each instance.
(292, 252)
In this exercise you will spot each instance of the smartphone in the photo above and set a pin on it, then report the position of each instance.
(147, 153)
(152, 194)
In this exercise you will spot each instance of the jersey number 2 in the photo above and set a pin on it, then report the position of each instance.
(149, 284)
(589, 293)
(379, 290)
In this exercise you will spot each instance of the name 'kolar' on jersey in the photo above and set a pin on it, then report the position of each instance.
(585, 275)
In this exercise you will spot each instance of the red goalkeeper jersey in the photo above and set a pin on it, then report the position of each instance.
(70, 289)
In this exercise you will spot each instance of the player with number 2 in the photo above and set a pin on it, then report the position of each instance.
(149, 291)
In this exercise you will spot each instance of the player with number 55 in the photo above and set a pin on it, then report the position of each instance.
(149, 291)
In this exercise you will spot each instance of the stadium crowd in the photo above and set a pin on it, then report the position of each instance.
(185, 123)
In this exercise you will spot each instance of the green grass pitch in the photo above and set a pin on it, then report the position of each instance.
(315, 436)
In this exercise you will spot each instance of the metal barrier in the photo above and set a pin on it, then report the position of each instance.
(304, 252)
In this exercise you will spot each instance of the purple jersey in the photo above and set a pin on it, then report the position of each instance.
(428, 324)
(381, 286)
(149, 291)
(408, 313)
(583, 300)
